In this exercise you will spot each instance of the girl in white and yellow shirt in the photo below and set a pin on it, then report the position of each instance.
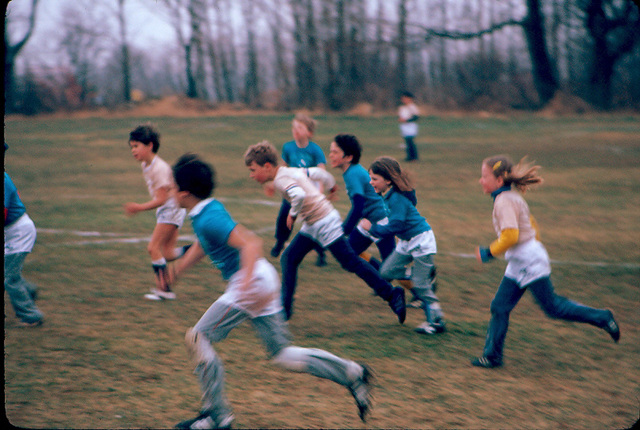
(527, 259)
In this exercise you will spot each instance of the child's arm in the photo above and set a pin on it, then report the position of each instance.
(160, 197)
(397, 217)
(188, 260)
(355, 214)
(508, 237)
(319, 174)
(250, 247)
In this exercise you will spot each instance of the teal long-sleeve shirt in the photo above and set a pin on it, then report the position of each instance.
(405, 221)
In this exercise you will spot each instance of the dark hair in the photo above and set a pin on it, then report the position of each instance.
(390, 170)
(194, 175)
(147, 135)
(407, 94)
(350, 146)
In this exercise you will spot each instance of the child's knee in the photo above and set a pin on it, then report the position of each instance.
(291, 358)
(199, 347)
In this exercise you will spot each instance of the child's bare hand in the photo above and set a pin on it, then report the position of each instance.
(365, 224)
(131, 208)
(478, 257)
(257, 304)
(290, 222)
(332, 195)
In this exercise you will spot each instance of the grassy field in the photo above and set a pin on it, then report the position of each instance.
(106, 358)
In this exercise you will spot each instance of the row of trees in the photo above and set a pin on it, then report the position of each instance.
(332, 54)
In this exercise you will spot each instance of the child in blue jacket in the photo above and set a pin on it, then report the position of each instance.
(416, 241)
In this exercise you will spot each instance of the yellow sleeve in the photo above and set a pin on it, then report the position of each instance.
(508, 237)
(534, 224)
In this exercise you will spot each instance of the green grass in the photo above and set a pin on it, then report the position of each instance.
(106, 358)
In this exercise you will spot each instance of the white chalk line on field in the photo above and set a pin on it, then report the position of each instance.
(125, 238)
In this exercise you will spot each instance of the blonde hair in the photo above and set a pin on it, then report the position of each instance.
(390, 170)
(523, 175)
(309, 122)
(262, 153)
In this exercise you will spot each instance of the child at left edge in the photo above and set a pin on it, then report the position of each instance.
(144, 142)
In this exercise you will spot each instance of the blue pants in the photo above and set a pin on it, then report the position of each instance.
(282, 231)
(359, 243)
(22, 293)
(302, 244)
(555, 306)
(410, 147)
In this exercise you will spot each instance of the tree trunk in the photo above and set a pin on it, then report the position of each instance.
(544, 75)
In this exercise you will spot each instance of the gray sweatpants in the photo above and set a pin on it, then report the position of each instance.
(422, 276)
(22, 293)
(221, 318)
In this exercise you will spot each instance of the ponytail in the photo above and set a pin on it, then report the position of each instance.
(523, 175)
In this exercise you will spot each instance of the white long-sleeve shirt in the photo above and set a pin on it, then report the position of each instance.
(296, 185)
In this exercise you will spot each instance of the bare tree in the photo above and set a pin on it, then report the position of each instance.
(85, 40)
(251, 87)
(124, 48)
(11, 51)
(614, 27)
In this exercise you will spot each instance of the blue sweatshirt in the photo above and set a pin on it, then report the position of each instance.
(13, 206)
(365, 203)
(405, 221)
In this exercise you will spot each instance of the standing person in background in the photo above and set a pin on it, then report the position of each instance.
(416, 241)
(321, 224)
(527, 259)
(19, 239)
(251, 294)
(299, 152)
(144, 142)
(408, 115)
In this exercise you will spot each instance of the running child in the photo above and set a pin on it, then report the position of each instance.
(299, 152)
(344, 154)
(144, 142)
(252, 293)
(19, 239)
(321, 225)
(527, 259)
(416, 241)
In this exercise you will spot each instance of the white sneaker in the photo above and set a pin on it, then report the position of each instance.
(158, 295)
(425, 328)
(415, 303)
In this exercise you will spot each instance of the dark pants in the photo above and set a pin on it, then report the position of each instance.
(555, 306)
(412, 150)
(302, 244)
(283, 232)
(359, 243)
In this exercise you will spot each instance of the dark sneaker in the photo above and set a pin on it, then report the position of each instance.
(361, 392)
(277, 249)
(485, 362)
(207, 420)
(397, 304)
(612, 328)
(439, 325)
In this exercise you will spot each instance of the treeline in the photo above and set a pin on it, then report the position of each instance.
(330, 54)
